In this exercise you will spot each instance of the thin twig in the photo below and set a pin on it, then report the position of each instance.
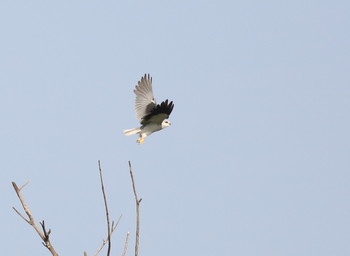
(20, 214)
(137, 201)
(106, 207)
(114, 226)
(44, 236)
(25, 184)
(126, 243)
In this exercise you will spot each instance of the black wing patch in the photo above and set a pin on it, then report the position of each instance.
(162, 109)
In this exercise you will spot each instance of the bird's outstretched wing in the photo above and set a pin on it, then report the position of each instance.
(144, 102)
(158, 113)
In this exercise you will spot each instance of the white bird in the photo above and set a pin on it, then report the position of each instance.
(152, 116)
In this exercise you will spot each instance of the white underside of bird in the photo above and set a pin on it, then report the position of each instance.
(145, 131)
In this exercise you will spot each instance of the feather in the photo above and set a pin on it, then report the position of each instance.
(132, 131)
(144, 102)
(159, 113)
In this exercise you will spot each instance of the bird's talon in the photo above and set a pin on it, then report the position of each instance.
(140, 140)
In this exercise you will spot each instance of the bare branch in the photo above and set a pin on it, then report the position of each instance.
(126, 243)
(137, 201)
(21, 215)
(24, 185)
(107, 213)
(44, 236)
(112, 231)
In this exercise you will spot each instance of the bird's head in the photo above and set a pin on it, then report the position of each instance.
(165, 123)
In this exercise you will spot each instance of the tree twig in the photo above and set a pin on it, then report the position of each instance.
(137, 201)
(106, 207)
(126, 243)
(44, 236)
(105, 241)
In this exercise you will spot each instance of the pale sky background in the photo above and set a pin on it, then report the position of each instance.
(256, 161)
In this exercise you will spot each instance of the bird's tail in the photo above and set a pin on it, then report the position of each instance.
(132, 131)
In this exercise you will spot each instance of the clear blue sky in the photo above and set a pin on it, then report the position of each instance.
(256, 161)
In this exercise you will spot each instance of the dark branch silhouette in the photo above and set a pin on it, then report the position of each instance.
(107, 213)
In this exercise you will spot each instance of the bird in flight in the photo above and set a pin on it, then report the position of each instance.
(152, 116)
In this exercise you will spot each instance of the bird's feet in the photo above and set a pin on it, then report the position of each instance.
(140, 140)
